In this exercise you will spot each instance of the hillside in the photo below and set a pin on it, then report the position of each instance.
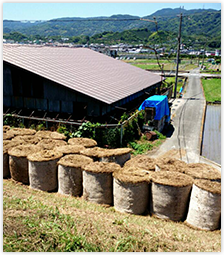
(198, 21)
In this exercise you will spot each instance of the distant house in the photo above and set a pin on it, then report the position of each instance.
(78, 81)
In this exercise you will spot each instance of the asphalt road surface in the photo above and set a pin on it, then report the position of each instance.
(187, 122)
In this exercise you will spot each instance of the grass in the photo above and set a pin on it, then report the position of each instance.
(212, 89)
(49, 222)
(142, 146)
(180, 82)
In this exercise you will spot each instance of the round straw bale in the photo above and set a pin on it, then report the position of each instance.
(205, 205)
(6, 128)
(142, 161)
(203, 171)
(44, 134)
(50, 144)
(21, 131)
(43, 170)
(86, 142)
(131, 195)
(98, 182)
(170, 164)
(7, 144)
(119, 156)
(70, 174)
(18, 163)
(170, 195)
(70, 149)
(57, 136)
(8, 136)
(27, 139)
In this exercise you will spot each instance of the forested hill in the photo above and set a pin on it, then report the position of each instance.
(198, 21)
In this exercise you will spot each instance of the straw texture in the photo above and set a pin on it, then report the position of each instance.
(98, 187)
(130, 197)
(142, 161)
(86, 142)
(50, 144)
(170, 194)
(21, 131)
(70, 149)
(205, 207)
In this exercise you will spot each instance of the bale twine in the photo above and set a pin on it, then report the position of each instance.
(70, 174)
(21, 131)
(205, 205)
(50, 144)
(70, 149)
(86, 142)
(98, 182)
(131, 190)
(170, 164)
(27, 139)
(18, 163)
(43, 170)
(6, 128)
(170, 195)
(142, 161)
(203, 171)
(7, 136)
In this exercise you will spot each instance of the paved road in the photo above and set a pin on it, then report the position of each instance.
(187, 122)
(202, 75)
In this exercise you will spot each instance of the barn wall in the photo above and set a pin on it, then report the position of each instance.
(23, 89)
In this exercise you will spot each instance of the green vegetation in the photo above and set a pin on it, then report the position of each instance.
(142, 146)
(212, 89)
(35, 221)
(198, 27)
(171, 80)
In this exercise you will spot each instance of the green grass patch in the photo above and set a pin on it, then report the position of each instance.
(212, 89)
(180, 82)
(35, 221)
(143, 145)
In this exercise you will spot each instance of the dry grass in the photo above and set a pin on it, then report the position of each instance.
(41, 221)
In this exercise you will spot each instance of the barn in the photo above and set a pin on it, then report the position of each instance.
(76, 81)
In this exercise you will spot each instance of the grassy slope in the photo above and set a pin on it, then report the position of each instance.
(41, 221)
(212, 89)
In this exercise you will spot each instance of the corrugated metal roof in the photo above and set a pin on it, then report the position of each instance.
(86, 71)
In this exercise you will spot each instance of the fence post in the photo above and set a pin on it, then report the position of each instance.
(121, 137)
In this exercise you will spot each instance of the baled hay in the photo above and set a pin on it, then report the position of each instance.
(27, 139)
(44, 134)
(95, 152)
(132, 175)
(142, 161)
(6, 128)
(44, 155)
(70, 149)
(202, 171)
(86, 142)
(50, 144)
(8, 136)
(75, 160)
(102, 152)
(21, 131)
(171, 164)
(210, 186)
(102, 167)
(57, 136)
(117, 152)
(174, 179)
(23, 150)
(8, 144)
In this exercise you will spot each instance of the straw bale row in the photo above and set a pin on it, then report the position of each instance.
(136, 188)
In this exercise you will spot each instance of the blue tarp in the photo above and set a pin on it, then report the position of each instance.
(161, 105)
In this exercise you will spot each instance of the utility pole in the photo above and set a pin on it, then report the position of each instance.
(178, 56)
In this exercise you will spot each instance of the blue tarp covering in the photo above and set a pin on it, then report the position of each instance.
(161, 105)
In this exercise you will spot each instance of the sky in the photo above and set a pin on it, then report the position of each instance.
(46, 11)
